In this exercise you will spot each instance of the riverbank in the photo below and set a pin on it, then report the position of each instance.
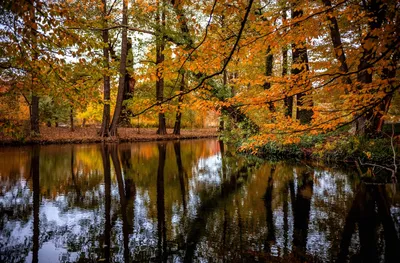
(60, 135)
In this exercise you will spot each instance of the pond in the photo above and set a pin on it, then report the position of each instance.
(187, 201)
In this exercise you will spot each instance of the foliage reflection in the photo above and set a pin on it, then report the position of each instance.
(187, 201)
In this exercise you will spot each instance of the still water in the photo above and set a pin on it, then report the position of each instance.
(188, 201)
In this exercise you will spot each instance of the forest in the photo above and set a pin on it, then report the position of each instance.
(268, 75)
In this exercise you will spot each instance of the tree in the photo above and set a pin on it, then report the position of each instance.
(160, 46)
(104, 132)
(122, 70)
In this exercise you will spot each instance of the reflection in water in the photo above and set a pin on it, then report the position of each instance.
(161, 228)
(35, 175)
(301, 211)
(105, 154)
(187, 201)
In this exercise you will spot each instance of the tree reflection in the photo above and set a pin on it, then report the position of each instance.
(181, 172)
(210, 204)
(269, 211)
(301, 210)
(36, 201)
(161, 227)
(74, 180)
(363, 213)
(181, 202)
(105, 154)
(122, 198)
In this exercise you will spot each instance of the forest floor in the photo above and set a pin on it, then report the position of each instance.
(54, 135)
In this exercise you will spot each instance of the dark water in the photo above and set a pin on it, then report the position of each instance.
(189, 201)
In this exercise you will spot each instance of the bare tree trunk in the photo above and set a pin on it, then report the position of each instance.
(104, 132)
(122, 71)
(160, 45)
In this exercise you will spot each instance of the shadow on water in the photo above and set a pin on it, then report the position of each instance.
(187, 202)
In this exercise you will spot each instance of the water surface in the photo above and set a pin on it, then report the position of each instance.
(188, 201)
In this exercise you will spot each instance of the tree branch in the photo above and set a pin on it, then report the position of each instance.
(203, 79)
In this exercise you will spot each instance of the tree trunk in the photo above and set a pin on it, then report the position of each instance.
(300, 65)
(288, 101)
(34, 107)
(268, 72)
(160, 45)
(177, 126)
(364, 76)
(104, 132)
(71, 118)
(337, 42)
(129, 85)
(268, 67)
(122, 71)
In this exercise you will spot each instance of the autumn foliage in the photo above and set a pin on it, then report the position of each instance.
(284, 68)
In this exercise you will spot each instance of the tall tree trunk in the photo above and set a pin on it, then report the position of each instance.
(34, 114)
(178, 118)
(269, 60)
(122, 71)
(268, 67)
(34, 107)
(160, 46)
(129, 85)
(300, 65)
(288, 101)
(104, 132)
(389, 73)
(337, 42)
(71, 118)
(376, 16)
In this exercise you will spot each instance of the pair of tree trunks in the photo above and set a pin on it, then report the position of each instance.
(299, 66)
(370, 122)
(111, 130)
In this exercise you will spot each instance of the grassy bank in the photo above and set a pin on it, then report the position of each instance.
(334, 148)
(53, 135)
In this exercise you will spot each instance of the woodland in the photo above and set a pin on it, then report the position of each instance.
(267, 74)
